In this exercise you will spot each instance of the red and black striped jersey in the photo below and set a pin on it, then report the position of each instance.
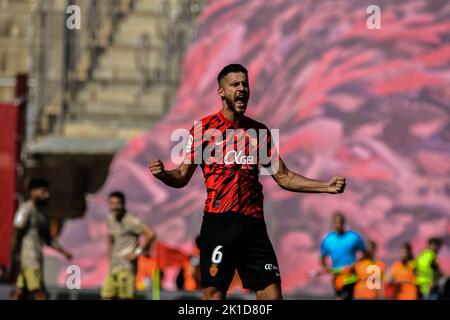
(229, 155)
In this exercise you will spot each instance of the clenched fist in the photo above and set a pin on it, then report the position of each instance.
(156, 168)
(336, 185)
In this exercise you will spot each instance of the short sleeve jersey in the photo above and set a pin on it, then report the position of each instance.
(230, 155)
(34, 225)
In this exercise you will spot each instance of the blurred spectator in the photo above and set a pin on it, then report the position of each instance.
(33, 230)
(365, 272)
(147, 265)
(124, 229)
(341, 246)
(402, 279)
(427, 269)
(189, 276)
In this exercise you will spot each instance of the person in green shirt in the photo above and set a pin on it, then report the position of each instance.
(427, 269)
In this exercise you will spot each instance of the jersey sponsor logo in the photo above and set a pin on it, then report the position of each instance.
(270, 266)
(262, 146)
(238, 158)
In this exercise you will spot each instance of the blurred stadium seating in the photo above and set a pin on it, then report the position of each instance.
(91, 89)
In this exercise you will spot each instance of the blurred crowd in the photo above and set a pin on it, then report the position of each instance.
(138, 260)
(410, 277)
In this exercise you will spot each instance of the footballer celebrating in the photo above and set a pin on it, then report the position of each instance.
(233, 233)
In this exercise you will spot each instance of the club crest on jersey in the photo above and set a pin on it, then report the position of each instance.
(213, 270)
(189, 143)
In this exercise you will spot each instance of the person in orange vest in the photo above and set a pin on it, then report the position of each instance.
(146, 265)
(191, 268)
(370, 273)
(188, 278)
(402, 277)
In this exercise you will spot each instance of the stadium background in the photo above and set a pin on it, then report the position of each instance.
(372, 105)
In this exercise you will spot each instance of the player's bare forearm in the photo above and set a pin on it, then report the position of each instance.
(298, 183)
(109, 245)
(176, 178)
(13, 244)
(57, 246)
(16, 243)
(149, 236)
(173, 178)
(323, 262)
(15, 247)
(292, 181)
(54, 244)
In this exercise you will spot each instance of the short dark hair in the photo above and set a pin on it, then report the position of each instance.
(435, 241)
(229, 69)
(119, 195)
(408, 248)
(373, 244)
(340, 215)
(38, 182)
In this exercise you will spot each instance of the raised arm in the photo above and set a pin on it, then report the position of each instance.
(177, 178)
(292, 181)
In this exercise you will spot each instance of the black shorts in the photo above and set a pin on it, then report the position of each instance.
(233, 241)
(346, 292)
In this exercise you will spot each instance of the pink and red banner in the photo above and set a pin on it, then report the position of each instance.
(372, 105)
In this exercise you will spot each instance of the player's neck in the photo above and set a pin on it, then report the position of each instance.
(230, 115)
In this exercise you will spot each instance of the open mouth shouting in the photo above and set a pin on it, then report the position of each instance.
(241, 101)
